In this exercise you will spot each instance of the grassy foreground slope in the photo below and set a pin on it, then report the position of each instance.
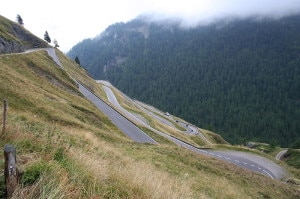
(69, 149)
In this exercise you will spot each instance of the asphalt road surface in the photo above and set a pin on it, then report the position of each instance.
(251, 162)
(280, 154)
(121, 122)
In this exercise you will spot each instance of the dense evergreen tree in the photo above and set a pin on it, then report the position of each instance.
(20, 20)
(77, 60)
(47, 37)
(55, 43)
(239, 78)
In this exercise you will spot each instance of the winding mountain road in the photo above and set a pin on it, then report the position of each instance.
(248, 161)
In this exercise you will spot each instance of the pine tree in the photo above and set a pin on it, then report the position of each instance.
(46, 37)
(77, 60)
(20, 20)
(55, 43)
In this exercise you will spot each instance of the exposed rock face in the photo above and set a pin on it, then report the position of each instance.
(7, 46)
(28, 39)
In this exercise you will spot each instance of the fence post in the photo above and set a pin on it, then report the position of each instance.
(4, 116)
(10, 171)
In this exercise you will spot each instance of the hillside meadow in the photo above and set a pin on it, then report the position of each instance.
(67, 148)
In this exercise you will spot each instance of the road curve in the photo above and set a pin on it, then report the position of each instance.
(112, 99)
(280, 154)
(51, 53)
(120, 121)
(190, 129)
(251, 162)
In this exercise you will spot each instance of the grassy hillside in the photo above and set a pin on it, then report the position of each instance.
(15, 38)
(67, 148)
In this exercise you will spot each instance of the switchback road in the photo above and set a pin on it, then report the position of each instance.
(245, 160)
(248, 161)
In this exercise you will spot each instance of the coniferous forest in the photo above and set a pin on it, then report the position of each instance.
(239, 78)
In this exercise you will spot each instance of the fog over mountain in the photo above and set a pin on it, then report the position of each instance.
(65, 24)
(194, 13)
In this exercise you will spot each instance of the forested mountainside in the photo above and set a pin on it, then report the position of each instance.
(240, 78)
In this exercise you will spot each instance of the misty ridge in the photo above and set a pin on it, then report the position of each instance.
(224, 12)
(216, 18)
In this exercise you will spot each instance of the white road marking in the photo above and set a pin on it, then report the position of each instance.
(236, 161)
(268, 174)
(245, 163)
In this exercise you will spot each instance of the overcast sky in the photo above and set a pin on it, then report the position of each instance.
(69, 22)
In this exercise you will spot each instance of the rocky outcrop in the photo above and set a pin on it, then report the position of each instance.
(7, 46)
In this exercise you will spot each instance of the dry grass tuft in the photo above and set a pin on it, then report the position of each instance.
(140, 179)
(48, 187)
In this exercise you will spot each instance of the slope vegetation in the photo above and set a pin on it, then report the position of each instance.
(67, 148)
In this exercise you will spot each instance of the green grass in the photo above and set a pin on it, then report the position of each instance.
(5, 26)
(293, 158)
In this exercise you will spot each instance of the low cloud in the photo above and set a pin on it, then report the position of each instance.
(197, 12)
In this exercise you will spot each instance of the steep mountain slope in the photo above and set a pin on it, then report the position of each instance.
(67, 148)
(15, 38)
(240, 78)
